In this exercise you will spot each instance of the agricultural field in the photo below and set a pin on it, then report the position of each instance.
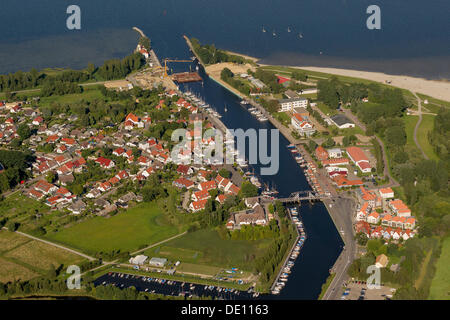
(126, 231)
(215, 251)
(23, 258)
(440, 286)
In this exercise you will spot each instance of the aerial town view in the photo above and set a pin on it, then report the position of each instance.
(203, 154)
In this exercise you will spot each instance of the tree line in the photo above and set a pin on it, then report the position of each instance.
(209, 54)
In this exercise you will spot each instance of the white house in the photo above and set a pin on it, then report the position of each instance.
(334, 153)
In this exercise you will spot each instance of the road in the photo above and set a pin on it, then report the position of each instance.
(341, 212)
(419, 113)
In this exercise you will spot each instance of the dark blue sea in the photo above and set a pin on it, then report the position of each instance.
(414, 38)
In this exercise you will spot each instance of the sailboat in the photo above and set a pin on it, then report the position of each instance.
(288, 29)
(300, 35)
(274, 34)
(226, 108)
(263, 30)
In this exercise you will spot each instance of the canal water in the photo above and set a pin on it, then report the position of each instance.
(323, 245)
(324, 242)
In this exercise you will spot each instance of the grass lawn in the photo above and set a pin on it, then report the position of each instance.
(410, 124)
(284, 118)
(440, 286)
(126, 231)
(198, 269)
(426, 126)
(88, 94)
(175, 254)
(423, 270)
(219, 252)
(326, 109)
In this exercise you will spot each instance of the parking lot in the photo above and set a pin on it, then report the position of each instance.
(359, 291)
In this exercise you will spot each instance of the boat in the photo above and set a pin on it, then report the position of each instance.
(291, 146)
(274, 34)
(300, 35)
(263, 30)
(288, 29)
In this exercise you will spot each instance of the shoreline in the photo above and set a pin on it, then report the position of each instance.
(439, 89)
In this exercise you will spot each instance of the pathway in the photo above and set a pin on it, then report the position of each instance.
(419, 112)
(158, 243)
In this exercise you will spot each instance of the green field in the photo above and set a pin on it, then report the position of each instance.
(410, 124)
(426, 126)
(89, 94)
(440, 286)
(23, 258)
(126, 231)
(219, 252)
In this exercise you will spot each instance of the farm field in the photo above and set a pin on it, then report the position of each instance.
(440, 286)
(24, 259)
(126, 231)
(219, 252)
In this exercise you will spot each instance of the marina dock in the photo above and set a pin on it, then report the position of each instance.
(285, 270)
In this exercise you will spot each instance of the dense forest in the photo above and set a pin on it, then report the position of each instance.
(15, 164)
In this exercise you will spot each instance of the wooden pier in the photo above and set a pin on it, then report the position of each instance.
(184, 77)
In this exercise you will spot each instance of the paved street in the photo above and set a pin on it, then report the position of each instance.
(341, 211)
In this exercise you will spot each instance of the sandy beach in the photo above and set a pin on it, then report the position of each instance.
(432, 88)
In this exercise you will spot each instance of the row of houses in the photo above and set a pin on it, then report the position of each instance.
(383, 232)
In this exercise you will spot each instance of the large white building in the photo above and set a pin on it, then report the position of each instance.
(290, 104)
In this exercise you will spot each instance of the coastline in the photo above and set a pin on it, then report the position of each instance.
(433, 88)
(439, 89)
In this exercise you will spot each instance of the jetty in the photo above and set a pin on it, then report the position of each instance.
(281, 278)
(184, 77)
